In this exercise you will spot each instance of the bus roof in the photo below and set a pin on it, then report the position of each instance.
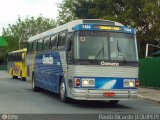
(70, 25)
(18, 51)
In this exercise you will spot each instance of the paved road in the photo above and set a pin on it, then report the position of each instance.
(17, 97)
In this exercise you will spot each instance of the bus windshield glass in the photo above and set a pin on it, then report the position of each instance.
(102, 45)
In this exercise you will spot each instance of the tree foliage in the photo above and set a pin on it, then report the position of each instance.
(144, 15)
(12, 45)
(24, 29)
(66, 13)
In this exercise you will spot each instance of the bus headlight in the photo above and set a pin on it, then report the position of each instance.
(129, 83)
(88, 82)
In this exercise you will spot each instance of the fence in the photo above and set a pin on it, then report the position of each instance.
(3, 67)
(149, 72)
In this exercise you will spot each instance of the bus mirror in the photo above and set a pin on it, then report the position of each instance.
(23, 56)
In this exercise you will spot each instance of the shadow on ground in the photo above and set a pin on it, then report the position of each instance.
(85, 104)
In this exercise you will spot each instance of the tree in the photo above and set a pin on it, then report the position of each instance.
(21, 31)
(3, 46)
(24, 29)
(66, 13)
(144, 15)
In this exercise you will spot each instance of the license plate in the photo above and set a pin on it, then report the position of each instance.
(109, 94)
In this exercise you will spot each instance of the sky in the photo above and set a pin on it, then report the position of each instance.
(11, 9)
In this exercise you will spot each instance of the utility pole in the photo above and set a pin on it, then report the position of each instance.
(146, 50)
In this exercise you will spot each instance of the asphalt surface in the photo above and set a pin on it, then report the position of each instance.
(17, 97)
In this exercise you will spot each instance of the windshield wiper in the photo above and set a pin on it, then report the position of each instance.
(101, 50)
(120, 52)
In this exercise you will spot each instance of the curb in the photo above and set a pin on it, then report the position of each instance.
(149, 99)
(147, 87)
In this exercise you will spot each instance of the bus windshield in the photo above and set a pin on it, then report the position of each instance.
(99, 45)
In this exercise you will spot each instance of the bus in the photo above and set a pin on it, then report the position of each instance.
(17, 63)
(85, 59)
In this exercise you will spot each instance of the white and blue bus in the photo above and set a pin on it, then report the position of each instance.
(85, 59)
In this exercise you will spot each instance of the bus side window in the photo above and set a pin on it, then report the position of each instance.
(46, 43)
(10, 57)
(39, 45)
(19, 58)
(30, 47)
(34, 45)
(53, 45)
(62, 40)
(16, 56)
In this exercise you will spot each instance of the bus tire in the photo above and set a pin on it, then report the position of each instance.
(14, 77)
(34, 87)
(62, 92)
(22, 78)
(113, 102)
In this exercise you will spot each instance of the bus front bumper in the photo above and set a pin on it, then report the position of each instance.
(87, 94)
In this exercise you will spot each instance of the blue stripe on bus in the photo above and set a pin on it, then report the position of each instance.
(110, 83)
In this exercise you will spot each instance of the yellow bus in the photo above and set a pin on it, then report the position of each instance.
(17, 63)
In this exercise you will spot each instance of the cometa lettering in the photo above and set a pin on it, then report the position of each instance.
(109, 64)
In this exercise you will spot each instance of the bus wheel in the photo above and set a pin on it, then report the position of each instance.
(62, 92)
(34, 87)
(22, 78)
(113, 102)
(14, 77)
